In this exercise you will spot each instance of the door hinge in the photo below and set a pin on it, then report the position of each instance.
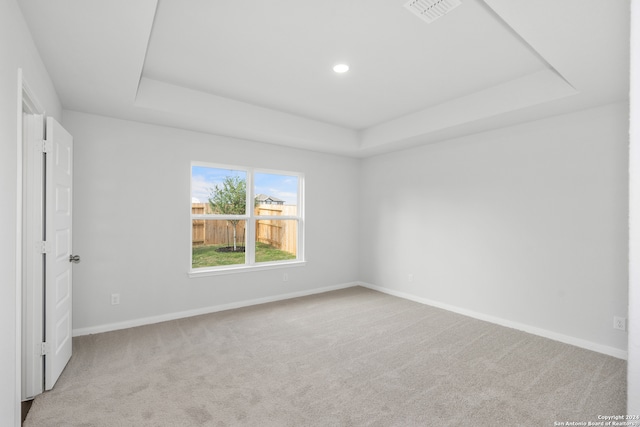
(45, 247)
(47, 146)
(44, 349)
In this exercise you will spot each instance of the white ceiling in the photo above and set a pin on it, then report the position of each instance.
(263, 70)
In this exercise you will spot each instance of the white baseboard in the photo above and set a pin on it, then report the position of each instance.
(205, 310)
(578, 342)
(611, 351)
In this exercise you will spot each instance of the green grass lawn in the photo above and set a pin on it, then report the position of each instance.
(207, 256)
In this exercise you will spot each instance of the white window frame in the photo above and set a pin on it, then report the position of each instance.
(250, 219)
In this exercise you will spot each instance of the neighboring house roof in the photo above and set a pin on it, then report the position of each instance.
(263, 198)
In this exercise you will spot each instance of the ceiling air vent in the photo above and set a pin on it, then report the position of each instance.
(430, 10)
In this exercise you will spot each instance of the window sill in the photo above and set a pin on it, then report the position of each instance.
(203, 272)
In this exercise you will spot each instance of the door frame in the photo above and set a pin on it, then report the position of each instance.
(27, 103)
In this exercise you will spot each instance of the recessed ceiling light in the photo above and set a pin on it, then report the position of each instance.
(341, 68)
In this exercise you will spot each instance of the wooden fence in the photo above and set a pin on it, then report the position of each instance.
(281, 234)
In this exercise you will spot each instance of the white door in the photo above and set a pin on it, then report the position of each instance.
(59, 256)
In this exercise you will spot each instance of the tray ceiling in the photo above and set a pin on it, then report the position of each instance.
(263, 70)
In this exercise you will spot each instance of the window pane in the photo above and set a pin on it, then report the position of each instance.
(276, 240)
(222, 191)
(276, 194)
(217, 242)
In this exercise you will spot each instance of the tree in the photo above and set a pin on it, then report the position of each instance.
(230, 198)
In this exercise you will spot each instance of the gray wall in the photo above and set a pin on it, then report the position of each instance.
(17, 50)
(633, 365)
(132, 224)
(527, 224)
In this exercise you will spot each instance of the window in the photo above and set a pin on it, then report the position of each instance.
(244, 218)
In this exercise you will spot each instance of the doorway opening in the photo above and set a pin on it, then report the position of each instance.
(45, 253)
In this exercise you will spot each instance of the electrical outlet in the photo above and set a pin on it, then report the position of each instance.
(115, 299)
(619, 323)
(285, 277)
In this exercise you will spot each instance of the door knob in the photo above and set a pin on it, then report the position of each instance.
(74, 258)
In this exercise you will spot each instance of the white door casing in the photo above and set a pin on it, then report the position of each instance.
(33, 257)
(58, 268)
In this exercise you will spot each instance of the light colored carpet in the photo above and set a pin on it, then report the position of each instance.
(353, 357)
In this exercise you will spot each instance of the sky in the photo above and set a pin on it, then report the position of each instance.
(204, 178)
